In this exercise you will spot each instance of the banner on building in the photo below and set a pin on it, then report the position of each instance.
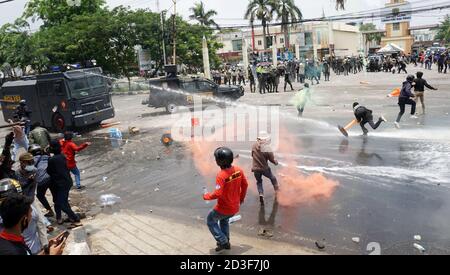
(396, 13)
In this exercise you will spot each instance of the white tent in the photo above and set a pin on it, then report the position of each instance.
(391, 48)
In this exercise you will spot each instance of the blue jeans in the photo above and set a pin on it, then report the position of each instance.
(17, 144)
(77, 175)
(219, 226)
(259, 182)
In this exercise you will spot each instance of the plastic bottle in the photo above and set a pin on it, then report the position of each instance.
(235, 219)
(109, 199)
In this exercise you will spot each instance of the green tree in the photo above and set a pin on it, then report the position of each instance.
(54, 12)
(203, 17)
(260, 10)
(444, 31)
(16, 48)
(287, 11)
(376, 36)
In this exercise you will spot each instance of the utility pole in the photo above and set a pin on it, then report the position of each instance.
(162, 33)
(174, 32)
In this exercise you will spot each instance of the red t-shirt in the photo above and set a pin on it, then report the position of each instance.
(69, 148)
(231, 188)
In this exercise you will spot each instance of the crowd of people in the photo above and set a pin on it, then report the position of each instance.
(45, 165)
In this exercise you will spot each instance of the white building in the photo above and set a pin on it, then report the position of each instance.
(313, 39)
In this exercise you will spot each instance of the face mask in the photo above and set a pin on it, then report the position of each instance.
(30, 168)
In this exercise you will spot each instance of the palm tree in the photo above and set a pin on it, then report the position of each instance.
(202, 16)
(260, 10)
(287, 11)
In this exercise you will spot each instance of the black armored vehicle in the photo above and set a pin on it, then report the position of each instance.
(61, 100)
(173, 91)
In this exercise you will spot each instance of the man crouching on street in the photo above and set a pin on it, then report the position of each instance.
(231, 188)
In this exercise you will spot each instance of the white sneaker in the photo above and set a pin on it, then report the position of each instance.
(383, 118)
(397, 125)
(414, 117)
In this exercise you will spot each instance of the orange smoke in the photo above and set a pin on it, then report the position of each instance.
(296, 188)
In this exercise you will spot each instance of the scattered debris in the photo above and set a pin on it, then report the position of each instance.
(417, 237)
(151, 211)
(166, 139)
(158, 157)
(320, 245)
(364, 83)
(104, 179)
(265, 233)
(419, 247)
(348, 215)
(123, 153)
(133, 130)
(356, 239)
(134, 152)
(156, 189)
(107, 125)
(82, 172)
(109, 199)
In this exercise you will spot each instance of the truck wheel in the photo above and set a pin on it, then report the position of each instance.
(171, 108)
(58, 123)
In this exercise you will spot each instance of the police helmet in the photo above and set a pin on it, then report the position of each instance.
(35, 149)
(9, 186)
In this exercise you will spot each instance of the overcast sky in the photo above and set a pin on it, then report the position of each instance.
(230, 12)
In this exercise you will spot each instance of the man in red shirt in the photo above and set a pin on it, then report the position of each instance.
(69, 148)
(231, 188)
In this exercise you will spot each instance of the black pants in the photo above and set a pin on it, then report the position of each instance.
(286, 82)
(241, 80)
(371, 123)
(440, 67)
(62, 203)
(262, 84)
(252, 86)
(40, 194)
(402, 102)
(234, 78)
(402, 69)
(327, 76)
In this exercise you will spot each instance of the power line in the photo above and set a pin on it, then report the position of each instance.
(5, 1)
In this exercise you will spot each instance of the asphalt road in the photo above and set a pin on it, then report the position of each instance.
(393, 185)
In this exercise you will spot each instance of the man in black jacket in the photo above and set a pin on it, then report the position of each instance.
(364, 116)
(61, 182)
(6, 162)
(419, 89)
(405, 99)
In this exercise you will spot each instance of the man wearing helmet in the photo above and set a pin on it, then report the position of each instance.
(405, 99)
(231, 188)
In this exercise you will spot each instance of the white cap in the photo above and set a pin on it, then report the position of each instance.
(264, 136)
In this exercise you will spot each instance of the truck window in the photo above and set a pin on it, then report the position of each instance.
(189, 87)
(87, 86)
(206, 86)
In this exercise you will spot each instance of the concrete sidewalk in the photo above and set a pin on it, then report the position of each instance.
(127, 233)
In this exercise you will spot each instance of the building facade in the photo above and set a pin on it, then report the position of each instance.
(309, 40)
(397, 25)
